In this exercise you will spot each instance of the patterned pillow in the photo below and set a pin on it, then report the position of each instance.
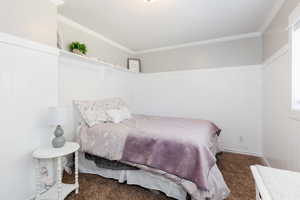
(94, 112)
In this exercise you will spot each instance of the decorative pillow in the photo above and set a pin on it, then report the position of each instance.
(111, 103)
(94, 112)
(91, 112)
(118, 115)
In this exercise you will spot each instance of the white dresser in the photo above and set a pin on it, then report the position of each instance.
(276, 184)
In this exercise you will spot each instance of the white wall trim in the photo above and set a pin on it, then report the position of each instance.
(212, 69)
(276, 8)
(96, 64)
(238, 151)
(74, 24)
(20, 42)
(282, 51)
(204, 42)
(294, 16)
(58, 2)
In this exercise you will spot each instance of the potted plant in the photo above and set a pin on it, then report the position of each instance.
(78, 48)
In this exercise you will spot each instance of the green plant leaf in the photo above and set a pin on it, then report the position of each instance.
(79, 46)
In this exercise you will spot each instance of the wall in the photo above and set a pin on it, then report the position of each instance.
(32, 80)
(216, 55)
(28, 85)
(230, 97)
(276, 35)
(34, 20)
(174, 94)
(82, 79)
(281, 131)
(96, 47)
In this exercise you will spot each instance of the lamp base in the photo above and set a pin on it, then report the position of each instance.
(59, 140)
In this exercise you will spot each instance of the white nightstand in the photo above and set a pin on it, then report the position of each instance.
(276, 184)
(60, 190)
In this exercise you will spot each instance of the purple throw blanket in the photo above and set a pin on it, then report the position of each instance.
(187, 158)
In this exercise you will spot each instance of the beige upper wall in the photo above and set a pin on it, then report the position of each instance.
(276, 35)
(96, 47)
(32, 19)
(231, 53)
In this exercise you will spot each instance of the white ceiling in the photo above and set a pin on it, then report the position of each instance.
(139, 26)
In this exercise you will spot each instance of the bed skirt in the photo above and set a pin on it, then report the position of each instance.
(149, 180)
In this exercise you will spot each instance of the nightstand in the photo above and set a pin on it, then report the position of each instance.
(60, 190)
(276, 184)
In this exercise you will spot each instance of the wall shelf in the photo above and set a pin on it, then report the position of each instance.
(86, 59)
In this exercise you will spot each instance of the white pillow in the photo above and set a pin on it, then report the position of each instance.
(118, 115)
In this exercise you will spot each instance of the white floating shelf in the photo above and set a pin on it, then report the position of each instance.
(94, 61)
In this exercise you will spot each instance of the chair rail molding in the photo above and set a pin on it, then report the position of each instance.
(24, 43)
(282, 51)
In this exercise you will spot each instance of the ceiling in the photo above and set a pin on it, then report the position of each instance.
(138, 25)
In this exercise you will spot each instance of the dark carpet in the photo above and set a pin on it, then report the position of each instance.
(234, 167)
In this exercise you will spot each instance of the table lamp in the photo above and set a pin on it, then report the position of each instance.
(57, 118)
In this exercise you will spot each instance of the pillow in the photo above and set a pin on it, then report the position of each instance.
(111, 103)
(91, 112)
(118, 115)
(94, 112)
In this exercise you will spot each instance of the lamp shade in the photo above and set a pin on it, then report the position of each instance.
(57, 116)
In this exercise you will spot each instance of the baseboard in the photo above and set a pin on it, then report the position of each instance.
(232, 150)
(238, 151)
(266, 162)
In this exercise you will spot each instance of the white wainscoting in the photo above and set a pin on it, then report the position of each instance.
(31, 80)
(28, 86)
(230, 97)
(281, 133)
(83, 79)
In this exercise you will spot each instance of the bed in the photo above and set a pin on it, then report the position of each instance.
(176, 156)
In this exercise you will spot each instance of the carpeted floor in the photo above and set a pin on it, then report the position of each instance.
(235, 168)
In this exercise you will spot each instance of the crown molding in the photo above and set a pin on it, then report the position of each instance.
(74, 24)
(57, 2)
(276, 8)
(9, 39)
(191, 44)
